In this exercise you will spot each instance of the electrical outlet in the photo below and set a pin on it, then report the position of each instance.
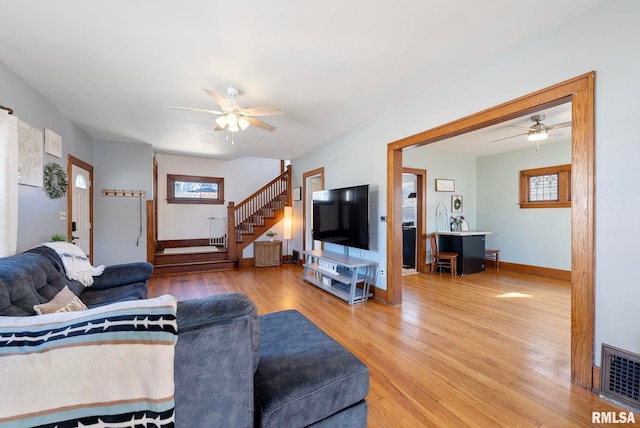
(381, 272)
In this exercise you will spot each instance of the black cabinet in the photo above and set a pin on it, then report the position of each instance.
(409, 247)
(470, 249)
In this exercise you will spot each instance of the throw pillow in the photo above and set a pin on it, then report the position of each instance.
(106, 366)
(64, 301)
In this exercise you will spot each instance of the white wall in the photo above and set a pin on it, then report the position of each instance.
(536, 236)
(603, 39)
(242, 177)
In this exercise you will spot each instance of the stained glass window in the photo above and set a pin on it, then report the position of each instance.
(548, 187)
(191, 189)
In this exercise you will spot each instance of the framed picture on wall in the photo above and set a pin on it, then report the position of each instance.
(296, 194)
(445, 185)
(456, 203)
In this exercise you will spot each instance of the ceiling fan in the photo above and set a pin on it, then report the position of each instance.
(234, 118)
(537, 132)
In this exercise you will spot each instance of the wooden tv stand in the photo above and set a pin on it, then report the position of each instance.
(350, 280)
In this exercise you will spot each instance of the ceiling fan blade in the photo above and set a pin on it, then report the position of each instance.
(524, 128)
(262, 111)
(218, 128)
(197, 109)
(559, 125)
(222, 102)
(506, 138)
(260, 124)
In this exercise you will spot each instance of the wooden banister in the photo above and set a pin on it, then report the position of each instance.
(274, 195)
(232, 244)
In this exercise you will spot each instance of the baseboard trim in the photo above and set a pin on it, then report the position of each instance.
(379, 294)
(596, 380)
(564, 275)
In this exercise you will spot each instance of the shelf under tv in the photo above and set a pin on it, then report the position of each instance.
(351, 279)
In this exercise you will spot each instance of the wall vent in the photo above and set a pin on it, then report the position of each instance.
(620, 376)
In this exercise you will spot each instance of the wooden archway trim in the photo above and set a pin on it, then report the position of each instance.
(580, 92)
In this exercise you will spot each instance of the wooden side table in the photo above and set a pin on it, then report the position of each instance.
(267, 253)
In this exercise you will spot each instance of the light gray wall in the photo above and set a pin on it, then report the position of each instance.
(120, 226)
(461, 169)
(39, 216)
(603, 39)
(536, 236)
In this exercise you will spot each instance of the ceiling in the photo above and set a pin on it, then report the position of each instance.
(511, 135)
(115, 66)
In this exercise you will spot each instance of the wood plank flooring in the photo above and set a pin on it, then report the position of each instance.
(483, 350)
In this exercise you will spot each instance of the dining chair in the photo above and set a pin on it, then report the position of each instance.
(442, 260)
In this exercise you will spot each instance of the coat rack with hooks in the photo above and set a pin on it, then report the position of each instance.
(128, 193)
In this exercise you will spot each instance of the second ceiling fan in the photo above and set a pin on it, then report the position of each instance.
(538, 131)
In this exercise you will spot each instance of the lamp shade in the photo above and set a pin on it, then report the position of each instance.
(288, 223)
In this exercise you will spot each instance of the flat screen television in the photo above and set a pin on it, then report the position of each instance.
(341, 216)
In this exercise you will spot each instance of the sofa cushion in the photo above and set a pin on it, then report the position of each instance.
(26, 280)
(64, 301)
(304, 376)
(109, 366)
(99, 297)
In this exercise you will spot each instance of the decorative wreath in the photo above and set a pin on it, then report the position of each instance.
(55, 180)
(457, 203)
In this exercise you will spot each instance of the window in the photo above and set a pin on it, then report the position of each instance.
(81, 183)
(192, 189)
(548, 187)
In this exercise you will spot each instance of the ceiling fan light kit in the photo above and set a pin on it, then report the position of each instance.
(537, 135)
(538, 131)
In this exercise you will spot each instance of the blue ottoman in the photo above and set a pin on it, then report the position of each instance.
(305, 377)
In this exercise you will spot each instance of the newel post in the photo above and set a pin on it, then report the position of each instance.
(289, 190)
(232, 240)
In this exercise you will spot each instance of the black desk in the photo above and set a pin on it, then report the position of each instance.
(470, 247)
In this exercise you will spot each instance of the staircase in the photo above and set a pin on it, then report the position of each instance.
(246, 222)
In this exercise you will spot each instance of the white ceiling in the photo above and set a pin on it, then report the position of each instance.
(511, 135)
(115, 66)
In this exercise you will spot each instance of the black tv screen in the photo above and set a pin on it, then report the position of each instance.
(341, 216)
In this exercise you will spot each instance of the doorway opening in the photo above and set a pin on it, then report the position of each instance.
(311, 181)
(414, 224)
(580, 92)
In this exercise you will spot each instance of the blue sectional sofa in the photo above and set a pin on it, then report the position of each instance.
(233, 367)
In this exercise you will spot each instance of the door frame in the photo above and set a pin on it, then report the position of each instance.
(305, 176)
(580, 91)
(72, 160)
(421, 217)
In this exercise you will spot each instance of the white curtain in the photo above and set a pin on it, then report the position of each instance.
(8, 183)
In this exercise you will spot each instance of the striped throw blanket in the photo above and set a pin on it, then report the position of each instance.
(110, 366)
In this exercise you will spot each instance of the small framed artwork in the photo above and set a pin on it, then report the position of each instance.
(52, 143)
(445, 185)
(297, 194)
(456, 203)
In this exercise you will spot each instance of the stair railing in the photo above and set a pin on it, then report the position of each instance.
(277, 190)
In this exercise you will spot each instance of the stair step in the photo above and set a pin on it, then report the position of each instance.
(168, 269)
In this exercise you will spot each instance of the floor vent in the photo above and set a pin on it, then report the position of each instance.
(620, 376)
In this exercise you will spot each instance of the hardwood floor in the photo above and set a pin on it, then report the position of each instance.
(483, 350)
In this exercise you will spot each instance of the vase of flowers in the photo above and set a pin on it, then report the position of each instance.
(456, 223)
(271, 234)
